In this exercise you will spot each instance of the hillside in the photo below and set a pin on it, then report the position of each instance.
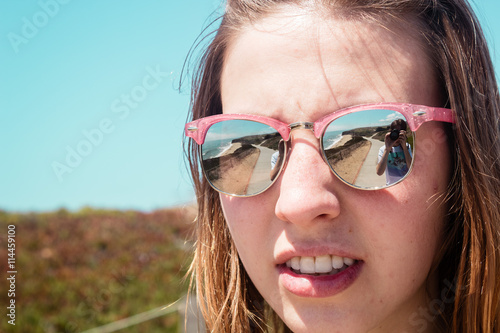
(77, 271)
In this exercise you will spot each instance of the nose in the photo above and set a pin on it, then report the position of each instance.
(307, 186)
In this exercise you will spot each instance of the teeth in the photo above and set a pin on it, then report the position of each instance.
(348, 261)
(337, 262)
(323, 264)
(295, 263)
(319, 265)
(307, 265)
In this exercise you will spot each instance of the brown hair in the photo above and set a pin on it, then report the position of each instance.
(399, 122)
(468, 264)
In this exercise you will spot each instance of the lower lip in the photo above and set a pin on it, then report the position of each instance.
(318, 286)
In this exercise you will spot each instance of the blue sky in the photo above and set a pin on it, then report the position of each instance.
(90, 114)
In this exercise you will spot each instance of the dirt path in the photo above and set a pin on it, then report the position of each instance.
(261, 173)
(368, 173)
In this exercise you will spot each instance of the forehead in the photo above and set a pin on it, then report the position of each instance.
(298, 66)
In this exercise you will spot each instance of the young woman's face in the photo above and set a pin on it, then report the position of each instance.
(296, 67)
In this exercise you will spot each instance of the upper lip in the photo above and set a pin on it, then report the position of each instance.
(284, 255)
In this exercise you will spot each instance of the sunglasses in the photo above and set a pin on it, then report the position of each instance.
(243, 155)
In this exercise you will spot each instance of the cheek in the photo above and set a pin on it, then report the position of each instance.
(241, 214)
(249, 221)
(433, 158)
(254, 230)
(409, 226)
(425, 190)
(428, 183)
(405, 229)
(402, 241)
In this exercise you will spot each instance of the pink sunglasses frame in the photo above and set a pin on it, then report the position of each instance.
(415, 115)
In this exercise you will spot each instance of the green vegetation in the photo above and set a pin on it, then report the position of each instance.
(338, 153)
(270, 140)
(380, 136)
(376, 133)
(81, 270)
(366, 131)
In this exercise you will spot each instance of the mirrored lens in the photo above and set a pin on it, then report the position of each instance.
(369, 149)
(242, 157)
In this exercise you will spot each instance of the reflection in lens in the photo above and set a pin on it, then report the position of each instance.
(355, 144)
(241, 157)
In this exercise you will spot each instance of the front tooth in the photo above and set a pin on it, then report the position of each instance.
(295, 262)
(307, 265)
(289, 263)
(348, 261)
(337, 262)
(323, 264)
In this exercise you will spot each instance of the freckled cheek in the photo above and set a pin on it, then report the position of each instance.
(246, 218)
(409, 226)
(420, 227)
(250, 223)
(422, 201)
(404, 249)
(234, 213)
(433, 159)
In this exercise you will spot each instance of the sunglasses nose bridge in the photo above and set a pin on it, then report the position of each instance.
(301, 125)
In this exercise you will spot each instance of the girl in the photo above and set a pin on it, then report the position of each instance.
(321, 245)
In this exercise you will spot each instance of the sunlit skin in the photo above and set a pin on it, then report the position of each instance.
(296, 66)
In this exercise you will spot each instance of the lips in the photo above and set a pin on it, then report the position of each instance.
(319, 276)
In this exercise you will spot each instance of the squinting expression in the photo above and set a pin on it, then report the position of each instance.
(294, 66)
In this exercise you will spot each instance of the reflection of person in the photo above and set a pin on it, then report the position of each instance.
(395, 156)
(422, 255)
(277, 159)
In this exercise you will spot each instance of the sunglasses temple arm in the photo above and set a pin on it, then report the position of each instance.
(432, 114)
(444, 115)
